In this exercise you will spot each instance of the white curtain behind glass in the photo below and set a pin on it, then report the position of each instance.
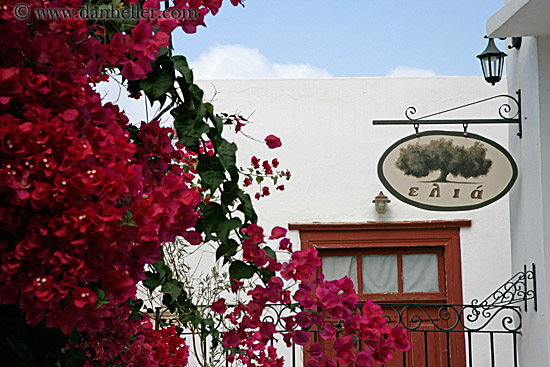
(379, 273)
(336, 267)
(420, 273)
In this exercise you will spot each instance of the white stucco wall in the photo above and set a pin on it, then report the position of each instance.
(332, 150)
(528, 69)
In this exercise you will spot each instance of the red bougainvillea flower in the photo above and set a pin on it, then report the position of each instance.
(267, 168)
(255, 162)
(273, 142)
(219, 306)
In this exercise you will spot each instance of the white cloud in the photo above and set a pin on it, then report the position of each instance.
(410, 71)
(237, 61)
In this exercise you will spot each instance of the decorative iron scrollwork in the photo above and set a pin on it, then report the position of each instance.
(499, 312)
(513, 106)
(519, 289)
(453, 318)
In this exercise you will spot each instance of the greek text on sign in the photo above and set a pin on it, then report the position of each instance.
(447, 171)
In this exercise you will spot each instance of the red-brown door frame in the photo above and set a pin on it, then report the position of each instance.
(415, 234)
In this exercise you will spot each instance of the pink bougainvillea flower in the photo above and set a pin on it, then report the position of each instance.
(400, 337)
(83, 297)
(364, 359)
(285, 245)
(133, 71)
(235, 285)
(273, 142)
(316, 351)
(328, 331)
(277, 232)
(301, 337)
(254, 232)
(239, 125)
(193, 237)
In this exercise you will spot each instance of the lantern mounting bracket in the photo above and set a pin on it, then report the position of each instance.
(503, 110)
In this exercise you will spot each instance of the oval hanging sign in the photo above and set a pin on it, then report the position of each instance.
(447, 171)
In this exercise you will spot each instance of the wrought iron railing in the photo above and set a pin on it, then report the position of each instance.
(483, 333)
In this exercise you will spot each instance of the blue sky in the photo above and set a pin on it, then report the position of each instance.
(286, 38)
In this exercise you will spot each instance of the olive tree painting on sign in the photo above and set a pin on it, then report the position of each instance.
(442, 155)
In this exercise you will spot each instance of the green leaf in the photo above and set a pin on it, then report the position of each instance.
(196, 320)
(227, 152)
(76, 357)
(196, 92)
(162, 52)
(162, 269)
(158, 83)
(269, 251)
(101, 297)
(189, 129)
(217, 120)
(231, 191)
(181, 65)
(224, 228)
(127, 221)
(213, 213)
(227, 249)
(240, 270)
(136, 308)
(172, 288)
(247, 208)
(212, 179)
(152, 281)
(210, 171)
(266, 274)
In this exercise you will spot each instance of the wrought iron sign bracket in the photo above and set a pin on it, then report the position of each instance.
(503, 110)
(521, 288)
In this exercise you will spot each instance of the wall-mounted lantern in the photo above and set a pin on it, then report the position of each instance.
(492, 62)
(381, 203)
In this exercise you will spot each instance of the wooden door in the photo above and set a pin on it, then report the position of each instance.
(402, 264)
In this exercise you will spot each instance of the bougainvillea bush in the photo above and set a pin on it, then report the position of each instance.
(87, 198)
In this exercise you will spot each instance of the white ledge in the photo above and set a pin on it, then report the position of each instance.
(520, 18)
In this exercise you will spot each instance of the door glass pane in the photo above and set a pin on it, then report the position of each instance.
(420, 273)
(379, 273)
(336, 267)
